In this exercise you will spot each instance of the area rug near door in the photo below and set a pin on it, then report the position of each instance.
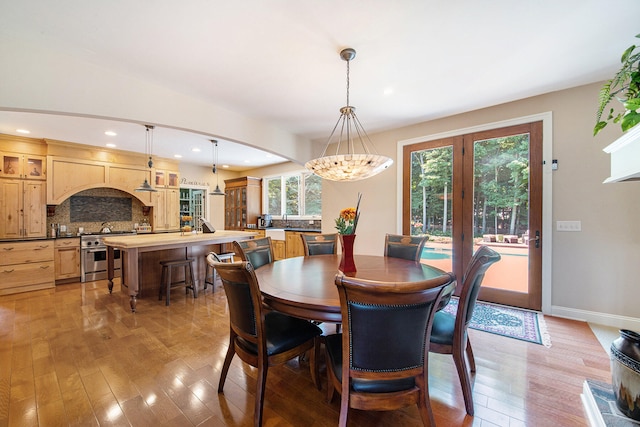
(510, 322)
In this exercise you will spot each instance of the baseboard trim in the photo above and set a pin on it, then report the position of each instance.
(606, 319)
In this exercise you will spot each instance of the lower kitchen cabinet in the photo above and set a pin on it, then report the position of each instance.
(279, 249)
(294, 244)
(67, 258)
(26, 266)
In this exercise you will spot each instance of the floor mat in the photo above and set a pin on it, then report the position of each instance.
(525, 325)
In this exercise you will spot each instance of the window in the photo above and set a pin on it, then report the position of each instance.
(296, 195)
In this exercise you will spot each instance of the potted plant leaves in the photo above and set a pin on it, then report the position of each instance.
(625, 88)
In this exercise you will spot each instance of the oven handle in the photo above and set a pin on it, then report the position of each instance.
(92, 251)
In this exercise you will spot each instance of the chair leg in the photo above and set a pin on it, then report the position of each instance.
(344, 409)
(472, 360)
(168, 284)
(227, 361)
(162, 282)
(194, 288)
(424, 404)
(313, 363)
(465, 381)
(263, 366)
(330, 388)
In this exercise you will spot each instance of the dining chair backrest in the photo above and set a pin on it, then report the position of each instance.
(406, 247)
(384, 363)
(257, 251)
(243, 296)
(319, 244)
(482, 259)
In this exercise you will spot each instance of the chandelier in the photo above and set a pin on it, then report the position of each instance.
(148, 149)
(349, 166)
(217, 191)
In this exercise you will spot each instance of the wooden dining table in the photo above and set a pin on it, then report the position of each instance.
(305, 286)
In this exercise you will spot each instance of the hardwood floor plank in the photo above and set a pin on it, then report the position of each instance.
(82, 357)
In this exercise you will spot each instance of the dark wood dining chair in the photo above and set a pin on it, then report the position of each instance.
(378, 363)
(406, 247)
(260, 337)
(257, 251)
(449, 333)
(319, 244)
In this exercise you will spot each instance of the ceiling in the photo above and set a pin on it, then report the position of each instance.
(279, 61)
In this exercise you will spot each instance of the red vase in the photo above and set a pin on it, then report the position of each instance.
(347, 265)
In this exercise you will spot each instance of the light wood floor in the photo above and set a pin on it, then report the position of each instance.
(77, 356)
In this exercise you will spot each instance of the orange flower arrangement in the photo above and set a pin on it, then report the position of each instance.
(347, 222)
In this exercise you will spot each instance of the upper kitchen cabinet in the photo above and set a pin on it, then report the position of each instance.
(25, 166)
(242, 203)
(166, 179)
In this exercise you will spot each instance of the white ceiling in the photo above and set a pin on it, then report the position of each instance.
(278, 60)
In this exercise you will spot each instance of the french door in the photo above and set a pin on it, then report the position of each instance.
(482, 188)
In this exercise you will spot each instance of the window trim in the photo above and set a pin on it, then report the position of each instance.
(302, 174)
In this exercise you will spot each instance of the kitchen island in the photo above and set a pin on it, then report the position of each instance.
(141, 255)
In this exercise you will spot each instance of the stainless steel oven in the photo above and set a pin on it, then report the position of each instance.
(93, 259)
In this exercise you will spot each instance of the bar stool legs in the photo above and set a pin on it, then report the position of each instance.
(166, 280)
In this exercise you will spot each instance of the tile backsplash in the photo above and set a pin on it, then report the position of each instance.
(90, 208)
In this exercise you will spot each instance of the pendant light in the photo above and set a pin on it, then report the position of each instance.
(217, 191)
(148, 149)
(350, 166)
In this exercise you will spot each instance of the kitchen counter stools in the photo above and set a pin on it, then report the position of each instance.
(167, 283)
(210, 275)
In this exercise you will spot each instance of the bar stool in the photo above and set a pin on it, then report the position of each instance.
(210, 275)
(166, 282)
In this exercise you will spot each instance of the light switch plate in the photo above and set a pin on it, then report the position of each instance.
(569, 226)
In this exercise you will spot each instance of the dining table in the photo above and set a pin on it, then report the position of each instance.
(305, 286)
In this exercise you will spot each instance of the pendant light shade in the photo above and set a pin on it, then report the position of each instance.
(349, 166)
(214, 169)
(148, 149)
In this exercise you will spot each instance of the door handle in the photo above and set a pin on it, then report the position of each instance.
(536, 239)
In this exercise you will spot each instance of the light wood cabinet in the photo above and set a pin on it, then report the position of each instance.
(67, 258)
(26, 266)
(294, 244)
(69, 176)
(17, 165)
(166, 210)
(279, 249)
(23, 209)
(242, 203)
(166, 179)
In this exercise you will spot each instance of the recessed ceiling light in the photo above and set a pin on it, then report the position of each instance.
(110, 133)
(177, 156)
(225, 166)
(195, 150)
(247, 161)
(22, 131)
(110, 145)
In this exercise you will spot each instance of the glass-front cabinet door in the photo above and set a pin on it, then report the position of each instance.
(15, 165)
